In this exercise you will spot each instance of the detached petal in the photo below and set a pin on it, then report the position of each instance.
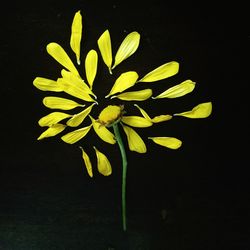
(135, 142)
(164, 71)
(136, 121)
(77, 119)
(45, 84)
(75, 136)
(177, 90)
(103, 164)
(202, 110)
(87, 162)
(140, 95)
(127, 47)
(52, 118)
(76, 35)
(53, 102)
(143, 112)
(91, 66)
(52, 131)
(161, 118)
(58, 53)
(169, 142)
(104, 44)
(123, 82)
(103, 132)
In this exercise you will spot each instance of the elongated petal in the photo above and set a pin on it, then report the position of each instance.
(45, 84)
(169, 142)
(52, 118)
(87, 162)
(104, 44)
(76, 135)
(177, 90)
(91, 66)
(135, 142)
(103, 164)
(54, 102)
(202, 110)
(164, 71)
(143, 112)
(77, 119)
(161, 118)
(140, 95)
(127, 47)
(123, 82)
(73, 89)
(58, 53)
(52, 131)
(136, 121)
(76, 35)
(103, 132)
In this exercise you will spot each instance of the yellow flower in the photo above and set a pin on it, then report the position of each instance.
(83, 99)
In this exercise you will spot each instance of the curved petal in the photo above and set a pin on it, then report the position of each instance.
(123, 82)
(140, 95)
(169, 142)
(54, 102)
(52, 118)
(46, 84)
(202, 110)
(177, 90)
(87, 162)
(136, 121)
(104, 44)
(103, 164)
(76, 35)
(161, 118)
(103, 132)
(76, 135)
(52, 131)
(164, 71)
(58, 53)
(143, 112)
(91, 66)
(77, 119)
(127, 47)
(135, 142)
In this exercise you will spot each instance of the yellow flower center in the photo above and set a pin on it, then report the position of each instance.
(111, 114)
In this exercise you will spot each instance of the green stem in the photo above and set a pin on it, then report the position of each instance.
(124, 173)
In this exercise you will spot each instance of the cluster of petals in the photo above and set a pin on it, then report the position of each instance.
(81, 89)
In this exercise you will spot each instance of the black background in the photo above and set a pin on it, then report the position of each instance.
(47, 201)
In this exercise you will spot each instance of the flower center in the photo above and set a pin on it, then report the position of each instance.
(111, 114)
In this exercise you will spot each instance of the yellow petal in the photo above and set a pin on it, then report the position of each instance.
(169, 142)
(202, 110)
(87, 162)
(135, 142)
(164, 71)
(177, 90)
(123, 82)
(143, 112)
(91, 66)
(136, 121)
(140, 95)
(76, 35)
(76, 135)
(45, 84)
(127, 47)
(77, 119)
(103, 164)
(52, 118)
(104, 44)
(53, 102)
(58, 53)
(161, 118)
(52, 131)
(103, 132)
(72, 88)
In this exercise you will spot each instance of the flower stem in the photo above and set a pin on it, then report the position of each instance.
(124, 173)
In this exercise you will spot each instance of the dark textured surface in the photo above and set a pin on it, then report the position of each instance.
(193, 198)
